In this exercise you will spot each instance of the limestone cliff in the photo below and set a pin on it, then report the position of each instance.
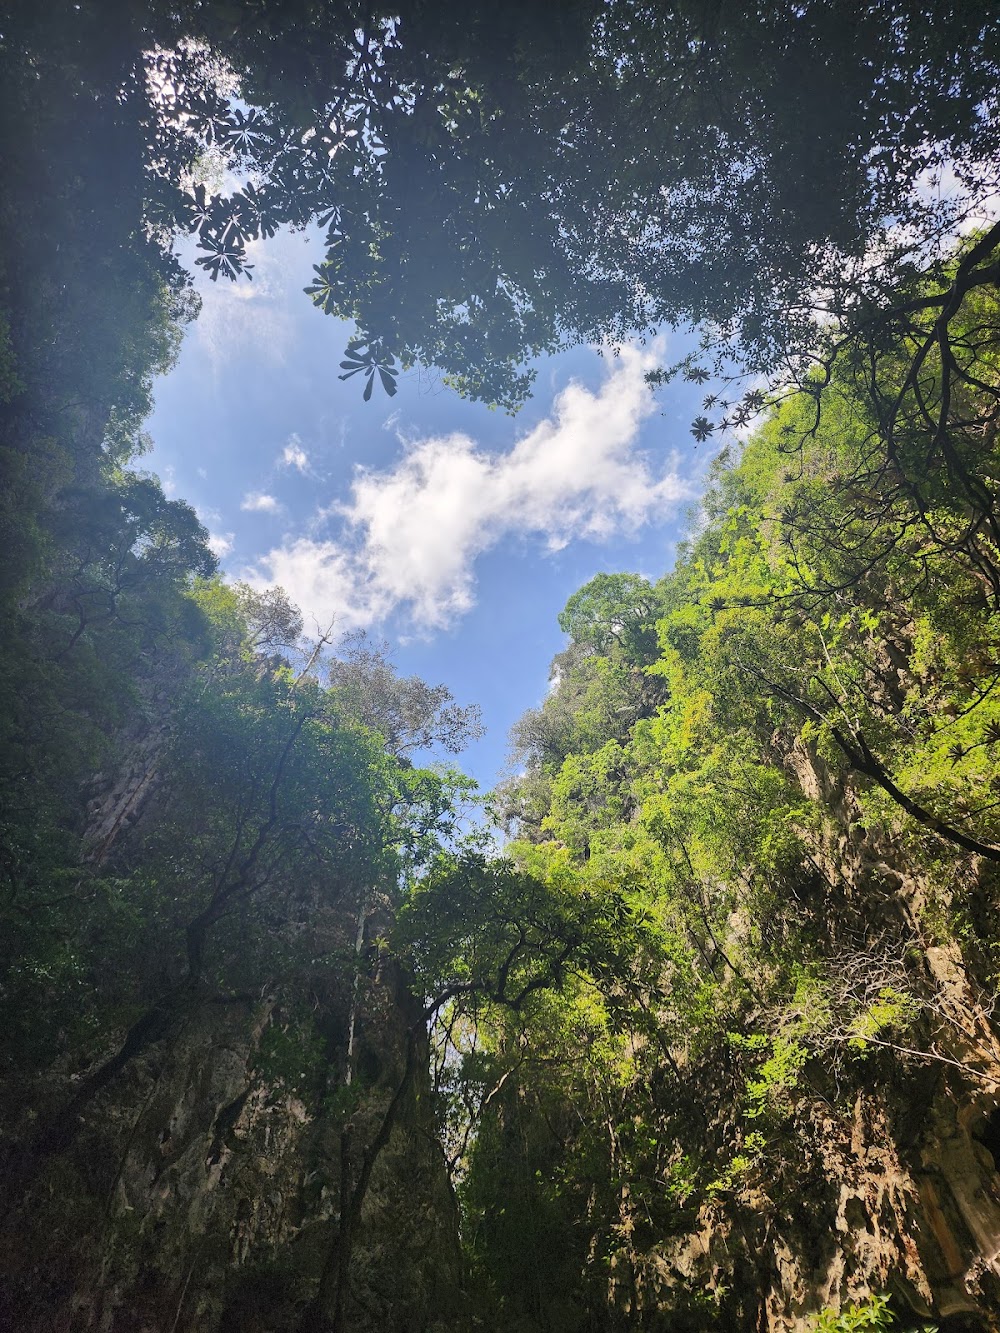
(203, 1192)
(889, 1177)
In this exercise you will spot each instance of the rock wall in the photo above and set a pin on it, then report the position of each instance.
(894, 1188)
(203, 1193)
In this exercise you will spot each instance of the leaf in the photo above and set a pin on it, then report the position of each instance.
(702, 428)
(388, 381)
(368, 388)
(225, 256)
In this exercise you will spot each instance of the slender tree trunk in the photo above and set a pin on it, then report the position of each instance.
(359, 944)
(332, 1292)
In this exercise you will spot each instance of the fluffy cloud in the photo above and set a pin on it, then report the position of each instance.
(293, 455)
(409, 537)
(259, 502)
(220, 544)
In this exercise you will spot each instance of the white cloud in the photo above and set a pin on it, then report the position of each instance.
(409, 537)
(259, 502)
(220, 544)
(293, 455)
(251, 317)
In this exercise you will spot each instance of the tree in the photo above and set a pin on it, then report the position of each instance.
(497, 184)
(819, 767)
(272, 819)
(477, 936)
(406, 712)
(611, 608)
(680, 163)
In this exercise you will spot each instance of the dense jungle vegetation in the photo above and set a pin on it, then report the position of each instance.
(285, 1046)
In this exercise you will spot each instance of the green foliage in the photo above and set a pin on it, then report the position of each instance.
(612, 608)
(635, 1011)
(488, 930)
(822, 689)
(740, 1167)
(292, 1053)
(873, 1313)
(492, 182)
(892, 1010)
(564, 224)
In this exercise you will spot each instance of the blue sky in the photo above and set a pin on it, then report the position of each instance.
(452, 532)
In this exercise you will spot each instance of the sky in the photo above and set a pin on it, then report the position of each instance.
(451, 532)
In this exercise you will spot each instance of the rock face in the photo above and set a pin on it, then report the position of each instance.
(203, 1194)
(894, 1188)
(877, 1212)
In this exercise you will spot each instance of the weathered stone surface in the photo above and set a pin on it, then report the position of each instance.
(204, 1195)
(900, 1193)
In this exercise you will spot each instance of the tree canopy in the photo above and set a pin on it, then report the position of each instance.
(496, 183)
